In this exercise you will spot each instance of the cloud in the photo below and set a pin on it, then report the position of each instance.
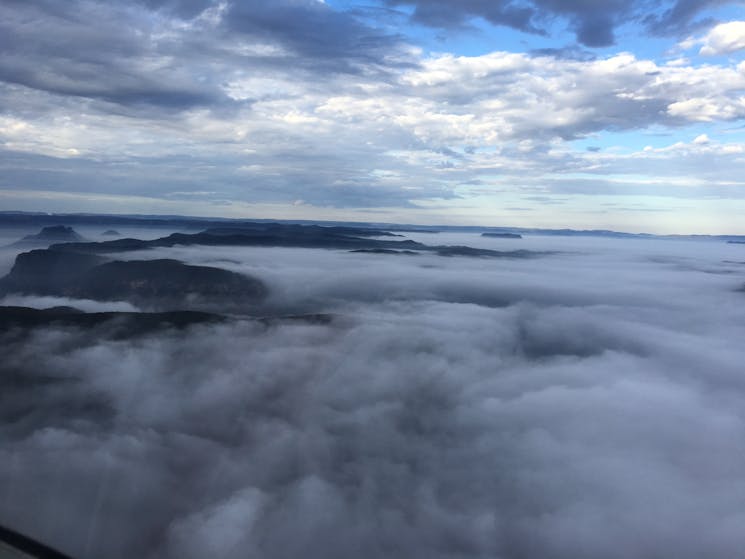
(443, 14)
(455, 407)
(185, 9)
(173, 56)
(680, 17)
(271, 103)
(96, 51)
(701, 168)
(367, 143)
(86, 305)
(724, 38)
(311, 29)
(593, 23)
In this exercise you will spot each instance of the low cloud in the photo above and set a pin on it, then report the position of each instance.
(585, 404)
(87, 305)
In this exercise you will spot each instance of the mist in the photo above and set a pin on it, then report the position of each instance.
(586, 403)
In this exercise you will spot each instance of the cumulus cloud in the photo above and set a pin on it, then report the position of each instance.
(724, 38)
(369, 143)
(585, 404)
(566, 98)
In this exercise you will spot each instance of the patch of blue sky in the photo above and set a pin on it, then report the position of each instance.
(629, 38)
(732, 11)
(731, 132)
(630, 141)
(728, 59)
(660, 136)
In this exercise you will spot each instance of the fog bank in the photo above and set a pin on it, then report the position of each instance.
(589, 403)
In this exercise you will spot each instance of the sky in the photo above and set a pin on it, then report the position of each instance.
(624, 114)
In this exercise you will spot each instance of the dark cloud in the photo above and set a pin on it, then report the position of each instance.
(570, 52)
(186, 9)
(95, 51)
(588, 404)
(681, 17)
(440, 13)
(594, 23)
(168, 53)
(309, 29)
(596, 32)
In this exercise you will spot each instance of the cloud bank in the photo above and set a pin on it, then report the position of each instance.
(586, 404)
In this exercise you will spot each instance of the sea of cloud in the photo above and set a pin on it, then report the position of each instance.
(586, 403)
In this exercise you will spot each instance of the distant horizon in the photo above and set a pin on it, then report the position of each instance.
(423, 226)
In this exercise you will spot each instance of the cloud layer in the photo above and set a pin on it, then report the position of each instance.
(303, 105)
(585, 404)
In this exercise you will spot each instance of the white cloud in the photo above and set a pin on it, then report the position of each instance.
(724, 38)
(457, 407)
(707, 109)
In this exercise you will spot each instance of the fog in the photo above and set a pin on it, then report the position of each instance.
(11, 235)
(586, 403)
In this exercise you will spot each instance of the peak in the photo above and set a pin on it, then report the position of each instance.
(54, 233)
(57, 229)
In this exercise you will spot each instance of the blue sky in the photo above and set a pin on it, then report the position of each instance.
(626, 114)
